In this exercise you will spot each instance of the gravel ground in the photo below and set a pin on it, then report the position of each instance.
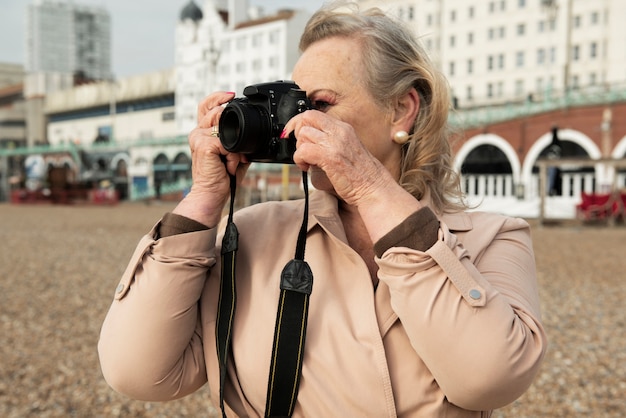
(59, 266)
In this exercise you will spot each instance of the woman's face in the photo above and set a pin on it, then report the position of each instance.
(333, 75)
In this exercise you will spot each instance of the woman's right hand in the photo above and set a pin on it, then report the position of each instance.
(211, 165)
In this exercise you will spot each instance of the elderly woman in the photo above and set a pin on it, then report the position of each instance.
(418, 308)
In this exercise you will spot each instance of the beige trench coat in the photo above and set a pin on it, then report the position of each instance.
(450, 332)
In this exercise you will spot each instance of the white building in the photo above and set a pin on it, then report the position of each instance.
(124, 111)
(197, 51)
(498, 51)
(229, 46)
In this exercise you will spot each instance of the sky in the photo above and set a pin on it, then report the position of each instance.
(143, 31)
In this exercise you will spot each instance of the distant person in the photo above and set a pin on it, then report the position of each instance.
(417, 308)
(555, 151)
(157, 188)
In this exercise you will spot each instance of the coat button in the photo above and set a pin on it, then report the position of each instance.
(120, 288)
(475, 294)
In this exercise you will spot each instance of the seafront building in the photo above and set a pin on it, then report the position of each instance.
(519, 70)
(503, 51)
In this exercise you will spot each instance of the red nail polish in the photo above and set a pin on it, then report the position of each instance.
(283, 134)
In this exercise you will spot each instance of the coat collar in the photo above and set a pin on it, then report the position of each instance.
(323, 210)
(457, 221)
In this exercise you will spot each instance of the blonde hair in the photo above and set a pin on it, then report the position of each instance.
(395, 62)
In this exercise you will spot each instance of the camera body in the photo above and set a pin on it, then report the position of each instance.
(252, 125)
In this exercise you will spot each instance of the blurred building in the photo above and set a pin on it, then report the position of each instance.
(63, 37)
(115, 126)
(499, 51)
(137, 127)
(12, 124)
(228, 45)
(517, 68)
(66, 44)
(12, 106)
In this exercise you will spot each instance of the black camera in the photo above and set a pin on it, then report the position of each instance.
(252, 125)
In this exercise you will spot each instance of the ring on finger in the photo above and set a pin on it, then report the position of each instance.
(215, 132)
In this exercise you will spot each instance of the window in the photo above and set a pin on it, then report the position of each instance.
(490, 62)
(273, 35)
(577, 21)
(521, 29)
(241, 43)
(519, 87)
(519, 59)
(593, 50)
(470, 12)
(521, 3)
(492, 7)
(541, 56)
(452, 41)
(575, 53)
(490, 33)
(224, 69)
(470, 66)
(469, 93)
(595, 18)
(501, 61)
(451, 68)
(453, 16)
(593, 79)
(489, 90)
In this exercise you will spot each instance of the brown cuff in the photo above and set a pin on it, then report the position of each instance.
(173, 224)
(419, 231)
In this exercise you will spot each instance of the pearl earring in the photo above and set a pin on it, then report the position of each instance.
(401, 137)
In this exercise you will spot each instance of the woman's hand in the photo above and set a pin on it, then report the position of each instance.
(332, 145)
(211, 165)
(357, 176)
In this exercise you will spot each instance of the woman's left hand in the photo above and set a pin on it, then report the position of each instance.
(332, 145)
(356, 175)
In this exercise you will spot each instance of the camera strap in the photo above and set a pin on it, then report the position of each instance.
(228, 294)
(296, 285)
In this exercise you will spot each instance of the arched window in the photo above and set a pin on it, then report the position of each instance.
(486, 159)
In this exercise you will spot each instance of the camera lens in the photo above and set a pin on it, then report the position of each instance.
(243, 126)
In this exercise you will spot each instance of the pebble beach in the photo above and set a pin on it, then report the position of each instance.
(59, 266)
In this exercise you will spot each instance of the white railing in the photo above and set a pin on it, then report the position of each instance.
(493, 185)
(502, 185)
(499, 193)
